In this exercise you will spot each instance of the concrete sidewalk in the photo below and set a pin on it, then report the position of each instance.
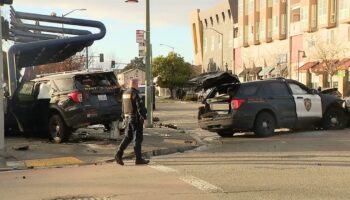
(88, 146)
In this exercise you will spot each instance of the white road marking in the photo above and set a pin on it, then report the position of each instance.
(163, 169)
(194, 181)
(201, 184)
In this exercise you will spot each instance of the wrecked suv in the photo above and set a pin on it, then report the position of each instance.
(263, 106)
(59, 104)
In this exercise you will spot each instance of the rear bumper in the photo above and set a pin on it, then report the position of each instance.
(84, 118)
(228, 121)
(219, 122)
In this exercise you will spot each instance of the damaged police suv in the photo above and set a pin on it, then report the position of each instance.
(266, 105)
(58, 104)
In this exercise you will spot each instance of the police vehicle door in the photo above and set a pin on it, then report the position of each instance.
(308, 106)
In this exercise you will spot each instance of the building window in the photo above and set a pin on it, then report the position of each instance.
(220, 42)
(211, 21)
(212, 43)
(217, 19)
(269, 28)
(240, 8)
(269, 3)
(313, 16)
(223, 16)
(229, 14)
(231, 39)
(344, 9)
(262, 4)
(284, 22)
(246, 7)
(250, 7)
(322, 11)
(263, 28)
(333, 11)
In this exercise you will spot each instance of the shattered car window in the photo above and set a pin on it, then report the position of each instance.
(65, 84)
(25, 93)
(97, 80)
(45, 91)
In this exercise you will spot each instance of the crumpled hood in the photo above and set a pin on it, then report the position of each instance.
(213, 79)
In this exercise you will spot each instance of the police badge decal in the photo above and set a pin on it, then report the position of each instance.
(308, 104)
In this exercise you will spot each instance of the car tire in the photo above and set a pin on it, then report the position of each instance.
(225, 133)
(201, 111)
(58, 130)
(334, 119)
(107, 126)
(265, 125)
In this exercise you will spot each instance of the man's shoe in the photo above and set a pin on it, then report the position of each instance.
(141, 162)
(119, 159)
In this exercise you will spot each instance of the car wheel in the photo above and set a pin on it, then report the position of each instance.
(265, 125)
(107, 126)
(59, 132)
(225, 133)
(201, 111)
(334, 119)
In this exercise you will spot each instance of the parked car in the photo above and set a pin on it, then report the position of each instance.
(263, 106)
(58, 104)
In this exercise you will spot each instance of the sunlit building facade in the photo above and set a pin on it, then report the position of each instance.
(277, 38)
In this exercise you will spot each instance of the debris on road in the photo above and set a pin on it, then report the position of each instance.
(21, 148)
(161, 125)
(156, 119)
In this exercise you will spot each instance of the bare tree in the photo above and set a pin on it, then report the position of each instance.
(328, 53)
(75, 62)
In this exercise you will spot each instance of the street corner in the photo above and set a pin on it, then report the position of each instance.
(52, 162)
(171, 136)
(9, 165)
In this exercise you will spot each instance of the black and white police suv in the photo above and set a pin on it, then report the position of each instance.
(263, 106)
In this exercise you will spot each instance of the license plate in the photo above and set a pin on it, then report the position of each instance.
(102, 97)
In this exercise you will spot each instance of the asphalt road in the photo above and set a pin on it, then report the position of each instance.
(300, 165)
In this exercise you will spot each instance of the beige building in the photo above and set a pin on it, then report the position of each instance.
(126, 76)
(213, 37)
(279, 38)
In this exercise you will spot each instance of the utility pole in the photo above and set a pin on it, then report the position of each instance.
(149, 84)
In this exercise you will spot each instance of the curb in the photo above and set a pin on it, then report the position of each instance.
(157, 152)
(20, 165)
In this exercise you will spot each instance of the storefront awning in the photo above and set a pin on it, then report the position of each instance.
(266, 71)
(250, 71)
(344, 64)
(279, 70)
(307, 66)
(320, 68)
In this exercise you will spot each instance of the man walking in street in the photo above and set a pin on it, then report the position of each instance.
(135, 114)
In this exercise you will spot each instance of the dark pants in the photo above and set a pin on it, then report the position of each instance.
(133, 133)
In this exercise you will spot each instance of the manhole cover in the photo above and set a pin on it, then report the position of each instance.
(80, 198)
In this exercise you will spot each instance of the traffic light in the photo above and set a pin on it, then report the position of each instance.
(5, 29)
(2, 2)
(113, 64)
(102, 59)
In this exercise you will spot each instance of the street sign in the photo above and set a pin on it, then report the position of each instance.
(140, 36)
(142, 50)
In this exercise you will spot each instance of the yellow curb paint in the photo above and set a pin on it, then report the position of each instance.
(53, 162)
